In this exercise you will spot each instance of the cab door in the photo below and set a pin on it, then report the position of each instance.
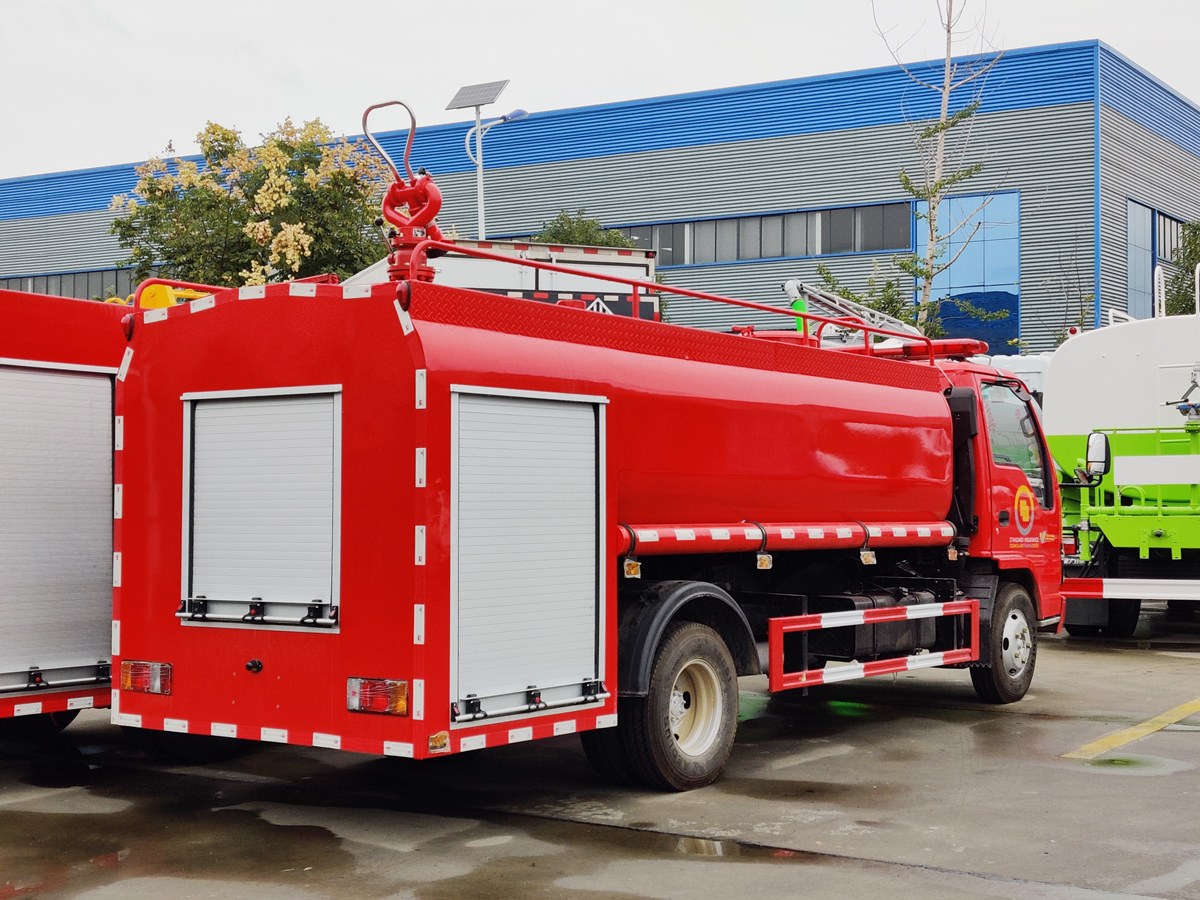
(1025, 519)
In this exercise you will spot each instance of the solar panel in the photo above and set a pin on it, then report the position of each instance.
(477, 95)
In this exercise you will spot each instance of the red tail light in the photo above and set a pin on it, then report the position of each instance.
(1068, 544)
(146, 677)
(377, 695)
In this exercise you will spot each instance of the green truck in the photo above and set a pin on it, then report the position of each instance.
(1122, 418)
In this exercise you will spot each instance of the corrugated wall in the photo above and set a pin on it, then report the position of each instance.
(1136, 164)
(1023, 78)
(1044, 153)
(73, 242)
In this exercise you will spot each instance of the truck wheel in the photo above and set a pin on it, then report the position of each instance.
(680, 734)
(605, 750)
(1122, 618)
(1011, 651)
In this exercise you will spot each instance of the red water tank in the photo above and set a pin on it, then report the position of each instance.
(709, 427)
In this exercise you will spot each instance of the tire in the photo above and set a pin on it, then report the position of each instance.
(679, 735)
(1012, 648)
(1122, 618)
(36, 728)
(605, 750)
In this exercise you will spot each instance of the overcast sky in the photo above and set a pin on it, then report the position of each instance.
(87, 83)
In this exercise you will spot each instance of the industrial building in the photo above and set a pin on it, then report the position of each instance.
(1089, 167)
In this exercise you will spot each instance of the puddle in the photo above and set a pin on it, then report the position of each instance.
(783, 790)
(1003, 737)
(1137, 765)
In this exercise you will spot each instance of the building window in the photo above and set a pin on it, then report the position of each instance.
(879, 228)
(727, 240)
(704, 242)
(897, 227)
(982, 243)
(1170, 232)
(750, 237)
(1151, 239)
(80, 285)
(1139, 259)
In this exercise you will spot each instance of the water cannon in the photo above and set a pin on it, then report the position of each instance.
(1189, 410)
(409, 206)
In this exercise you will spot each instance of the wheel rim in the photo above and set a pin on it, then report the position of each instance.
(1017, 649)
(695, 707)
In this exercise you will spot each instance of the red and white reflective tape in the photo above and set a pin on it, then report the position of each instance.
(1131, 588)
(493, 735)
(53, 701)
(663, 540)
(780, 680)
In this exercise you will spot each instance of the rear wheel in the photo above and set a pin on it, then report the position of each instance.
(680, 734)
(605, 750)
(1011, 650)
(1122, 618)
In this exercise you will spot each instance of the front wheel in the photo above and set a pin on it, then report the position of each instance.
(1011, 651)
(680, 734)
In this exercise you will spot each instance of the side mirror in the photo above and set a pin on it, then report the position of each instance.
(1099, 460)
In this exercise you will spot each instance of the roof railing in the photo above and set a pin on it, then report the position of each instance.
(419, 252)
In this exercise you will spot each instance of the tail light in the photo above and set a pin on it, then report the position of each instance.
(377, 695)
(1069, 545)
(146, 677)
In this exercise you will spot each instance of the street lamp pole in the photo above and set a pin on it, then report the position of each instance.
(478, 96)
(476, 157)
(480, 218)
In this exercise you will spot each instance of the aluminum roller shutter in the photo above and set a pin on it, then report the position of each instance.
(263, 507)
(526, 593)
(56, 520)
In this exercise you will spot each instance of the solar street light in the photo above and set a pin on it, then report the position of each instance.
(478, 96)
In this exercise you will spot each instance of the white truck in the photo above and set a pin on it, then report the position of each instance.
(1123, 424)
(499, 277)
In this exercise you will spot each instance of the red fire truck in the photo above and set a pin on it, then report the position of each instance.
(58, 359)
(413, 520)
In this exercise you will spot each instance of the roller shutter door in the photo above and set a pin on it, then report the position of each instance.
(263, 504)
(56, 519)
(526, 593)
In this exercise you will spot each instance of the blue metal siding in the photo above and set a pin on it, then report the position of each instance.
(1023, 79)
(1142, 98)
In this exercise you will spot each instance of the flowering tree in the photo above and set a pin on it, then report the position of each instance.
(299, 204)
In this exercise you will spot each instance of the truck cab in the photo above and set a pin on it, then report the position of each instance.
(1016, 520)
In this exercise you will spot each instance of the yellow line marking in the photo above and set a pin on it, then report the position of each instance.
(1112, 741)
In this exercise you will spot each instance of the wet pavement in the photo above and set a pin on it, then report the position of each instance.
(902, 786)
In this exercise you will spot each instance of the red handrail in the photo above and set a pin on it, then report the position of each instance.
(417, 259)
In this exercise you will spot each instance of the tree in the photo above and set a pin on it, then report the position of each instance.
(883, 296)
(1181, 286)
(942, 151)
(567, 229)
(299, 204)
